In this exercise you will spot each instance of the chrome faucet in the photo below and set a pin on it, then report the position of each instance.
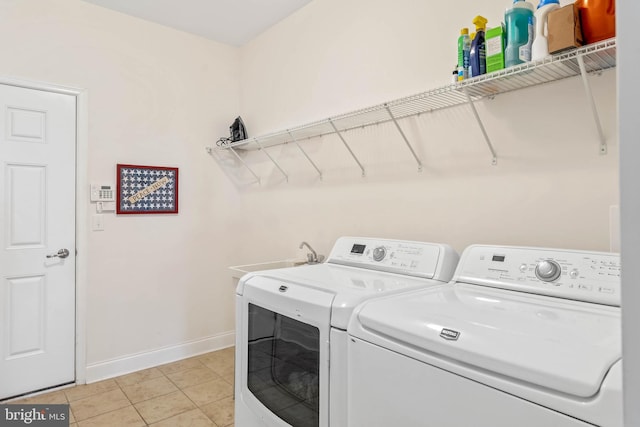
(312, 258)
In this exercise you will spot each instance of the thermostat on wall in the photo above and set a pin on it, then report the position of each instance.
(103, 193)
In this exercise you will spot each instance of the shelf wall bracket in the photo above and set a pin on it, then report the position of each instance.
(286, 177)
(347, 145)
(393, 118)
(245, 164)
(594, 109)
(494, 160)
(305, 154)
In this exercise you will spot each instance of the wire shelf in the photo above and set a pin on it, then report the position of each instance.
(596, 57)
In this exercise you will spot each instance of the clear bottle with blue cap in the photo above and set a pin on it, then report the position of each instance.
(464, 49)
(540, 48)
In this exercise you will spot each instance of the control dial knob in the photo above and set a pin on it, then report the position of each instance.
(379, 253)
(548, 270)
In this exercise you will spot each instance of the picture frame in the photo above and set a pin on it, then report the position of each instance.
(146, 190)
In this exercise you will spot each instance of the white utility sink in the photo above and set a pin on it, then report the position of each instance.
(240, 270)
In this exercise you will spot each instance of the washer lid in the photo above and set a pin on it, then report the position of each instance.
(561, 345)
(350, 285)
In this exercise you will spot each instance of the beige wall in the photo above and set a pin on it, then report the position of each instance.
(155, 97)
(158, 97)
(550, 187)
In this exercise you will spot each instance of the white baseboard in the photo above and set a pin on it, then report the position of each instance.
(135, 362)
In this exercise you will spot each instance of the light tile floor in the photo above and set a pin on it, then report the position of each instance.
(196, 392)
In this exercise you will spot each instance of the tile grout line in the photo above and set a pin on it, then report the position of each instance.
(219, 377)
(132, 405)
(183, 393)
(181, 390)
(191, 400)
(146, 400)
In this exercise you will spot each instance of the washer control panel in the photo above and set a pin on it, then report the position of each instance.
(428, 260)
(578, 275)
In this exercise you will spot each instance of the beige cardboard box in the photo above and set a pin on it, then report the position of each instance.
(564, 29)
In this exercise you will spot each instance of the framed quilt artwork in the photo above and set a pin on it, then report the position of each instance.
(147, 190)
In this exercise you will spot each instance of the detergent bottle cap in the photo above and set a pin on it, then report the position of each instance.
(522, 4)
(472, 36)
(464, 31)
(546, 2)
(481, 22)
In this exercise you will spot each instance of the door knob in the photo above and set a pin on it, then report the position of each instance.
(62, 253)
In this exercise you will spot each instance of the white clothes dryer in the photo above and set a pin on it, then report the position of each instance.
(523, 337)
(291, 338)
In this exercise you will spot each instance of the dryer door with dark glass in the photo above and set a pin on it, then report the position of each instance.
(284, 363)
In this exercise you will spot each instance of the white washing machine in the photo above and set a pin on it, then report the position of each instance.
(291, 338)
(524, 337)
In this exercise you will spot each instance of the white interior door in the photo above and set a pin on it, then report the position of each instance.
(37, 220)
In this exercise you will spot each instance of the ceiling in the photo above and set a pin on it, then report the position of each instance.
(233, 22)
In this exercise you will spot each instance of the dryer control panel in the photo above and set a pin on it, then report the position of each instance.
(577, 275)
(429, 260)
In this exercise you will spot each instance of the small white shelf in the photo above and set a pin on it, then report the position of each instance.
(583, 61)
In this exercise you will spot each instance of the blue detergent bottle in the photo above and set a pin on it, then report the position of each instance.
(478, 54)
(518, 19)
